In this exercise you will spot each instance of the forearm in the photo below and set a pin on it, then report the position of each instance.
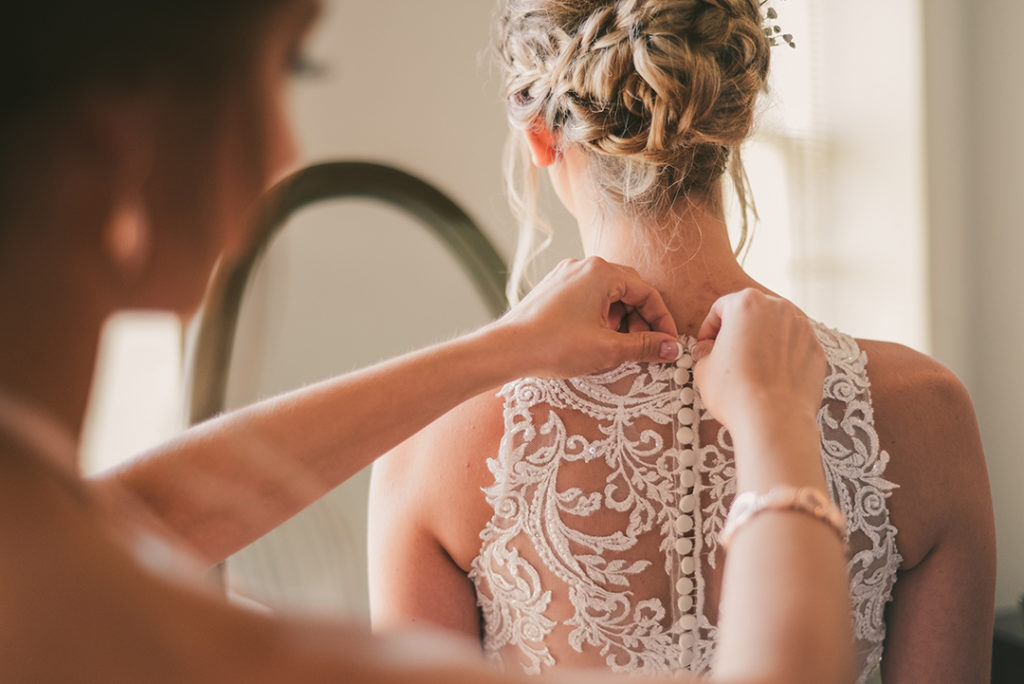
(227, 482)
(784, 610)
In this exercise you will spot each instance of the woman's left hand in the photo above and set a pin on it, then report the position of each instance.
(568, 324)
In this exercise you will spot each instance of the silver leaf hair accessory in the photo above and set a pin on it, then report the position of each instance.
(772, 30)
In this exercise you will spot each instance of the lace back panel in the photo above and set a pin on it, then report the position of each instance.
(609, 494)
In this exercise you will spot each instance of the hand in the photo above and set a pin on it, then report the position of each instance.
(758, 362)
(568, 323)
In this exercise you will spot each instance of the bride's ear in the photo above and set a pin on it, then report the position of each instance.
(543, 146)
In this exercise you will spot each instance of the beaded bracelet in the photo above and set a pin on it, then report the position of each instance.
(807, 500)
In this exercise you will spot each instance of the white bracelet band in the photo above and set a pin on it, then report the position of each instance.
(807, 500)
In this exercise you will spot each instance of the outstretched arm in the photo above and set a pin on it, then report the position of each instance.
(231, 480)
(792, 630)
(784, 607)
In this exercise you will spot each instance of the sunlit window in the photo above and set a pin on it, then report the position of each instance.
(837, 172)
(136, 400)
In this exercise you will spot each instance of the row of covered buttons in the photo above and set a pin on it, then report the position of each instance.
(686, 438)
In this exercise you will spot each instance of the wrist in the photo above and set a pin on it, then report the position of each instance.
(510, 354)
(773, 423)
(779, 453)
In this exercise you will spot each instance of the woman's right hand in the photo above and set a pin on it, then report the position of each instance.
(760, 371)
(568, 324)
(758, 363)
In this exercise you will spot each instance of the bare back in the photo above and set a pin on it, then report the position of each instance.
(601, 516)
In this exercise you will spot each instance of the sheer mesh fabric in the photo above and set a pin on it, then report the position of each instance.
(609, 494)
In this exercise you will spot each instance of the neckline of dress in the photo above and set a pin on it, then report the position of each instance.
(44, 439)
(51, 446)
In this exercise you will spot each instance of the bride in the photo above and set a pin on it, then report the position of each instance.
(591, 537)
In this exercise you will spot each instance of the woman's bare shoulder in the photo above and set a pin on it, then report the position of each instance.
(925, 421)
(457, 442)
(437, 475)
(907, 383)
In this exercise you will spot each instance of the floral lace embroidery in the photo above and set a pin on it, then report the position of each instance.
(610, 491)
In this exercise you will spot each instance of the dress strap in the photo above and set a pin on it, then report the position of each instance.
(44, 440)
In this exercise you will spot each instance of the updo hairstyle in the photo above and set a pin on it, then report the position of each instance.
(659, 94)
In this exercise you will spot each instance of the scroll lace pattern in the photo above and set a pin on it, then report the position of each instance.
(609, 494)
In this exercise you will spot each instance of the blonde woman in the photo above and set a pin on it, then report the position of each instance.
(591, 538)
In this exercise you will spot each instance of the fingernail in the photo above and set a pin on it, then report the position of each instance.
(671, 351)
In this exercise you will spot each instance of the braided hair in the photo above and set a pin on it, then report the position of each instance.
(659, 93)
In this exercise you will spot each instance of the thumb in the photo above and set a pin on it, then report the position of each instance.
(649, 346)
(702, 349)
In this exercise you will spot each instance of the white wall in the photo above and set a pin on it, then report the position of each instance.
(841, 198)
(412, 84)
(976, 144)
(407, 84)
(349, 283)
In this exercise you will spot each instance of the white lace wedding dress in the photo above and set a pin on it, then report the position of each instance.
(609, 494)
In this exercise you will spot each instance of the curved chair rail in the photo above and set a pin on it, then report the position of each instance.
(333, 180)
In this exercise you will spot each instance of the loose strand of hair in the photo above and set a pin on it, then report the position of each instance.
(749, 216)
(522, 188)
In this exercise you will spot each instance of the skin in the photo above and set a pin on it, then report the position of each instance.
(84, 597)
(939, 625)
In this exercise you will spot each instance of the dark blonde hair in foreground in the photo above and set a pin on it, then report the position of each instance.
(659, 93)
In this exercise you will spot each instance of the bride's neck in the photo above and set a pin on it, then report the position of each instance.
(687, 257)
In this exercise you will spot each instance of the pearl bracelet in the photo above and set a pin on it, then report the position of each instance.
(807, 500)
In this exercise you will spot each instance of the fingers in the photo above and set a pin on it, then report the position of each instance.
(632, 291)
(647, 346)
(710, 327)
(635, 323)
(616, 312)
(712, 322)
(584, 305)
(701, 349)
(753, 344)
(725, 306)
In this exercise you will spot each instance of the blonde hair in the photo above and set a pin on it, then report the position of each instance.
(659, 94)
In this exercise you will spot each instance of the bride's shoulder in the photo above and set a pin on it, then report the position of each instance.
(899, 375)
(926, 422)
(456, 440)
(436, 477)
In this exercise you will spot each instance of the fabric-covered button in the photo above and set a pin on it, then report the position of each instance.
(685, 435)
(688, 478)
